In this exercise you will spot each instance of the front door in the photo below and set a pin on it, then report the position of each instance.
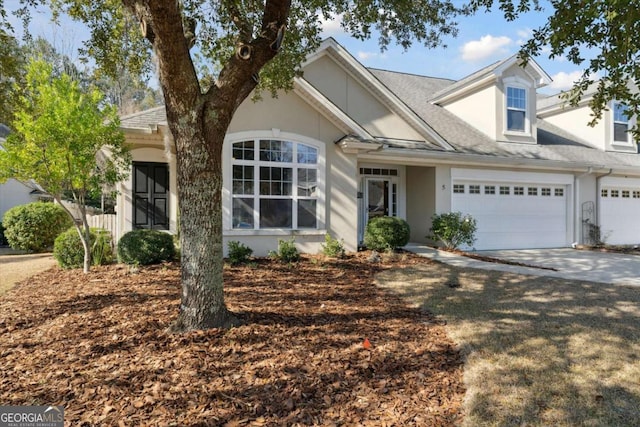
(151, 195)
(377, 198)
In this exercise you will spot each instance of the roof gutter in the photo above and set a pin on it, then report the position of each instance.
(443, 157)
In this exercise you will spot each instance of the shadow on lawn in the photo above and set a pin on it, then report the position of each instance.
(545, 351)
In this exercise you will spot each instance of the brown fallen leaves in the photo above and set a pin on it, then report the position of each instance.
(98, 345)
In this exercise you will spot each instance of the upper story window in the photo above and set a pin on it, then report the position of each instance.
(620, 123)
(516, 109)
(274, 185)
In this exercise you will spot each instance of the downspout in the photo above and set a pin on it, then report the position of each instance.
(598, 193)
(577, 223)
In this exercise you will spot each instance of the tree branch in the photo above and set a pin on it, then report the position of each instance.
(178, 77)
(240, 74)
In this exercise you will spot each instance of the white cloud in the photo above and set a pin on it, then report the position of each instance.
(524, 36)
(564, 81)
(365, 55)
(332, 25)
(487, 47)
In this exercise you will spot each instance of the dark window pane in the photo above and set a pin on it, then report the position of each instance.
(237, 172)
(242, 213)
(141, 212)
(161, 183)
(275, 213)
(243, 150)
(141, 178)
(307, 214)
(620, 133)
(160, 219)
(515, 120)
(276, 151)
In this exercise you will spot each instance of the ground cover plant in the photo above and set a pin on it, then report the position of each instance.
(539, 351)
(99, 346)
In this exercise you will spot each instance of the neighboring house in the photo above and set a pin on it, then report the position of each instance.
(350, 143)
(14, 192)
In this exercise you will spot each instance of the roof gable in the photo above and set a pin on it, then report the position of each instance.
(376, 88)
(488, 75)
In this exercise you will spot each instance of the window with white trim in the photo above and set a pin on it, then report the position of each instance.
(620, 123)
(516, 109)
(274, 185)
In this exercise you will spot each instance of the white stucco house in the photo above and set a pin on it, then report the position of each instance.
(14, 192)
(349, 143)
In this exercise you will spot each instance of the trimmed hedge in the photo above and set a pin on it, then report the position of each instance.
(34, 227)
(144, 247)
(386, 233)
(69, 252)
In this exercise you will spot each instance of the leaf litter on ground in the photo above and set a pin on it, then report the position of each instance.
(99, 345)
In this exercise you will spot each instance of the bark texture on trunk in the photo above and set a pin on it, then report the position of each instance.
(200, 191)
(198, 123)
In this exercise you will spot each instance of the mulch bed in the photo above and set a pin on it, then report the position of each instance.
(99, 345)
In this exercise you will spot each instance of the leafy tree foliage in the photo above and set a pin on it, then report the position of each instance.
(59, 133)
(11, 70)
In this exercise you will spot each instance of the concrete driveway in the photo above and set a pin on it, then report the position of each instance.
(570, 264)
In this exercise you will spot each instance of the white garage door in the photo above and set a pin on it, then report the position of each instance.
(620, 211)
(516, 214)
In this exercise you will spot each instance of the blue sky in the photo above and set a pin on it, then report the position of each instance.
(482, 39)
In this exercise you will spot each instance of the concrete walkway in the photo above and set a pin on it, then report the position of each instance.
(571, 264)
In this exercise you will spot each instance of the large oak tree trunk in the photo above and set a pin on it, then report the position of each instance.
(199, 177)
(198, 123)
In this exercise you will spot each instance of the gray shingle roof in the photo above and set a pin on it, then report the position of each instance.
(470, 78)
(145, 119)
(554, 144)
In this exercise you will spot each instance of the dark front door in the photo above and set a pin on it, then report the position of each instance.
(151, 195)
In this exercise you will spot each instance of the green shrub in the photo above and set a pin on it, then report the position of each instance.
(3, 240)
(453, 229)
(34, 227)
(386, 233)
(332, 248)
(143, 247)
(69, 252)
(287, 251)
(239, 253)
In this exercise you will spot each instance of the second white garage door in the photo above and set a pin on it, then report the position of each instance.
(515, 214)
(620, 211)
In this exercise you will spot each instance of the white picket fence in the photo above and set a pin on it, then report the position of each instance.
(108, 222)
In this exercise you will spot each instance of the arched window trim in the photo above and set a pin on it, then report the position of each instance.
(228, 162)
